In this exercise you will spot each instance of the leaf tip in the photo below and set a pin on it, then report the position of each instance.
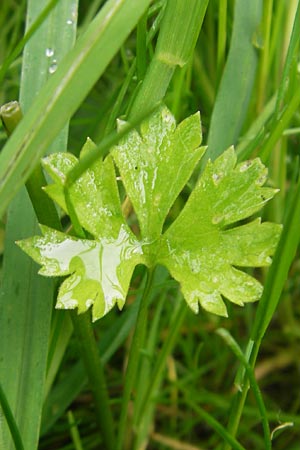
(211, 302)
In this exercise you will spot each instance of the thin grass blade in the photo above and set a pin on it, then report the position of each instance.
(237, 81)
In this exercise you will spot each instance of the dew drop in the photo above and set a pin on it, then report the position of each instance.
(245, 166)
(69, 22)
(49, 52)
(216, 178)
(261, 180)
(53, 66)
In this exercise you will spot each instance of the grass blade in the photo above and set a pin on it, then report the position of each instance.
(26, 298)
(211, 421)
(237, 81)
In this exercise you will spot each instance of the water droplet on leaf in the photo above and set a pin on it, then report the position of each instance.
(49, 52)
(245, 166)
(261, 180)
(53, 67)
(217, 177)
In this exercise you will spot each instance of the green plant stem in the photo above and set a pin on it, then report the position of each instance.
(146, 403)
(251, 381)
(74, 432)
(151, 90)
(178, 82)
(256, 133)
(89, 354)
(165, 351)
(280, 126)
(11, 115)
(13, 427)
(133, 360)
(240, 399)
(179, 31)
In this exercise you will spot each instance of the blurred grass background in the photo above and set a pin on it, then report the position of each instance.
(244, 78)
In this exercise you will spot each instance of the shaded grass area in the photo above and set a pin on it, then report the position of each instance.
(186, 384)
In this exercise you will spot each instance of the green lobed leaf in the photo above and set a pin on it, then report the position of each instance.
(100, 269)
(204, 248)
(94, 195)
(199, 248)
(155, 165)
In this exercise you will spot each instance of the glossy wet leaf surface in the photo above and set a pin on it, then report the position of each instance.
(100, 267)
(155, 165)
(204, 248)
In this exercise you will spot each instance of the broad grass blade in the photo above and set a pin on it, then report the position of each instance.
(26, 298)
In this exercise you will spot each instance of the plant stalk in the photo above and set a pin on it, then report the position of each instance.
(94, 368)
(177, 38)
(142, 422)
(240, 399)
(134, 357)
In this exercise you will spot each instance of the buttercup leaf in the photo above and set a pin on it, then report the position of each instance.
(94, 195)
(204, 248)
(201, 247)
(100, 269)
(155, 165)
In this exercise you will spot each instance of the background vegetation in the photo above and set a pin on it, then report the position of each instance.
(243, 75)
